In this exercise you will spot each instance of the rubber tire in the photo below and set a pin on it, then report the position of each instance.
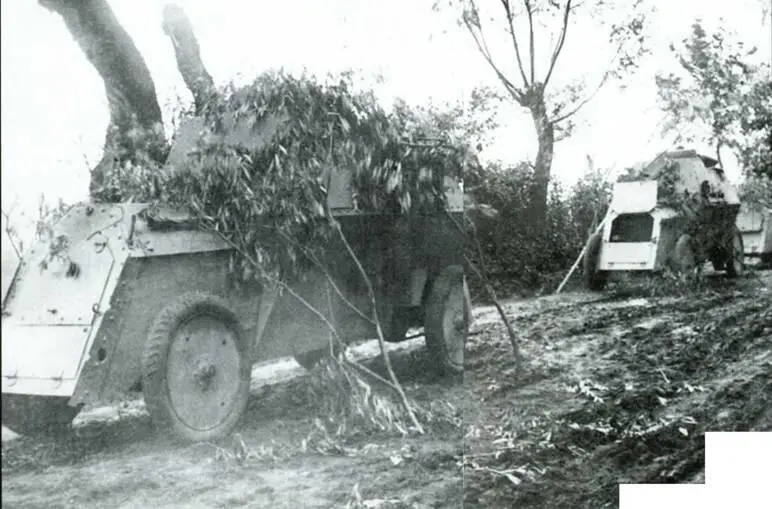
(154, 383)
(436, 304)
(37, 415)
(595, 280)
(734, 256)
(683, 255)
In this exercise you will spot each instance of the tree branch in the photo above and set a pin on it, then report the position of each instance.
(532, 49)
(381, 340)
(582, 103)
(482, 46)
(561, 41)
(510, 20)
(178, 27)
(578, 106)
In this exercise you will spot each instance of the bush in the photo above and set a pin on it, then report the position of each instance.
(521, 252)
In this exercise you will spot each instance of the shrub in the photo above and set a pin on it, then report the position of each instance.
(521, 252)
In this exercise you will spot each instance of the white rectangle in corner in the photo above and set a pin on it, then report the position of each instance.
(737, 474)
(739, 461)
(663, 496)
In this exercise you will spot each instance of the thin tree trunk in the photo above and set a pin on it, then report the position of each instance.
(545, 133)
(136, 124)
(177, 26)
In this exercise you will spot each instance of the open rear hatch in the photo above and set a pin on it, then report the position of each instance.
(629, 240)
(57, 292)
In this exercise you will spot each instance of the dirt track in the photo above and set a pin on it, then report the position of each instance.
(617, 390)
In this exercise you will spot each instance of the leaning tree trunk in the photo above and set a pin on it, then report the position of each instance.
(136, 124)
(188, 54)
(545, 132)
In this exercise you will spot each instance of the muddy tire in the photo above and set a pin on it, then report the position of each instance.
(37, 415)
(594, 279)
(196, 369)
(446, 324)
(735, 264)
(683, 258)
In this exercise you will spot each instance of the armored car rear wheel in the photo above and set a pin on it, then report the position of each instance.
(37, 415)
(447, 320)
(196, 370)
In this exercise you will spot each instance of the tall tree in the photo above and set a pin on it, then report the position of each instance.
(135, 133)
(720, 94)
(530, 85)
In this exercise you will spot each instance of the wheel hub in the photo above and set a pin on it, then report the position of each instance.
(203, 372)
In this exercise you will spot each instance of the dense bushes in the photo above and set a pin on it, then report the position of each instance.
(520, 252)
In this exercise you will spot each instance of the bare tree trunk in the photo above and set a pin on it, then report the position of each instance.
(545, 132)
(188, 54)
(136, 124)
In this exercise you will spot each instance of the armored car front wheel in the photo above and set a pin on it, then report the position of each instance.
(37, 415)
(447, 320)
(196, 369)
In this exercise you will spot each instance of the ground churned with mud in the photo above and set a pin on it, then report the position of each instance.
(616, 389)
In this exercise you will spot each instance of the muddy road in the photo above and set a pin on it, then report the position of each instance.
(617, 388)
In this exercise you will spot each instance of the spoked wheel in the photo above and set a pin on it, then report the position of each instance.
(735, 265)
(447, 320)
(196, 369)
(37, 415)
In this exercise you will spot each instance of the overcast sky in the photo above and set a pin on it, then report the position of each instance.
(54, 110)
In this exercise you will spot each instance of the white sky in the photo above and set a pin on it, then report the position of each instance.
(54, 110)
